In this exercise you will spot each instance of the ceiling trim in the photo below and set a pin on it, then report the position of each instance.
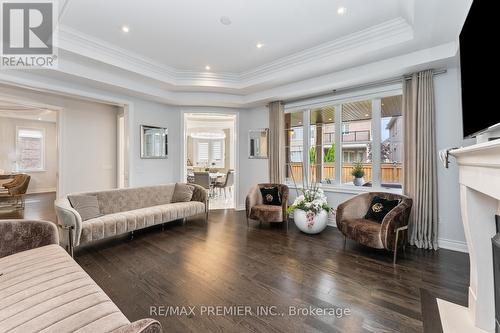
(90, 82)
(380, 36)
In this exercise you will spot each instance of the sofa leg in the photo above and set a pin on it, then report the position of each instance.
(131, 235)
(70, 242)
(398, 230)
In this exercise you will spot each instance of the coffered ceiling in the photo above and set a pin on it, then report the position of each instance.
(255, 50)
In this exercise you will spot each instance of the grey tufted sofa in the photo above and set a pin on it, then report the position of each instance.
(126, 210)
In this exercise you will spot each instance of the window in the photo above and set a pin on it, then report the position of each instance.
(391, 148)
(322, 145)
(202, 152)
(356, 139)
(30, 149)
(209, 153)
(343, 134)
(294, 146)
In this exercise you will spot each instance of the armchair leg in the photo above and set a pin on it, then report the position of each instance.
(345, 242)
(398, 230)
(70, 248)
(248, 222)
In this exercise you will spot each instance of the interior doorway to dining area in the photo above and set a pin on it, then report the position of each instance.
(209, 155)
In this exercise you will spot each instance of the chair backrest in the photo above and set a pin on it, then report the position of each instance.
(21, 186)
(202, 179)
(229, 178)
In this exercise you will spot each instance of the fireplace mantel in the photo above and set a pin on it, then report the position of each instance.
(479, 178)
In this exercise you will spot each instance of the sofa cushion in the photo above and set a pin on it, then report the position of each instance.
(44, 289)
(123, 222)
(182, 192)
(364, 231)
(86, 205)
(267, 213)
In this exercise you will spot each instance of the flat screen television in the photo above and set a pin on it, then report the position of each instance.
(479, 68)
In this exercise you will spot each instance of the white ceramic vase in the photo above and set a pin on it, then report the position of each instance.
(359, 181)
(320, 221)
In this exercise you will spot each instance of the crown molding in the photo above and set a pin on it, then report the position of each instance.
(323, 57)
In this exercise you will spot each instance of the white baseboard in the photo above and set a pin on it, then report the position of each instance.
(41, 190)
(453, 245)
(240, 207)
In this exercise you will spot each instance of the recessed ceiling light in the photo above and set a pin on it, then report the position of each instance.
(329, 118)
(259, 45)
(207, 67)
(341, 10)
(39, 118)
(225, 20)
(125, 28)
(367, 115)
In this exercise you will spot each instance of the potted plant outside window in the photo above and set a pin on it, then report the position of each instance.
(358, 173)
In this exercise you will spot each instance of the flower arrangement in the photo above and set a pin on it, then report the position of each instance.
(312, 201)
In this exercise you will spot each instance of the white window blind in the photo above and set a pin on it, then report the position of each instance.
(30, 147)
(216, 150)
(202, 151)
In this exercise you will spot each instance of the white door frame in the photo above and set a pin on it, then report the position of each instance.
(183, 150)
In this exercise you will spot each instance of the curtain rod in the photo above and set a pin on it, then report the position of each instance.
(362, 86)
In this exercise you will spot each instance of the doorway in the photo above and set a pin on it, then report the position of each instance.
(210, 156)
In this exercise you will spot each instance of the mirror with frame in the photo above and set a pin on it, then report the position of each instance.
(154, 142)
(258, 143)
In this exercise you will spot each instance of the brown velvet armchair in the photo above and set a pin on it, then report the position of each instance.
(256, 210)
(386, 235)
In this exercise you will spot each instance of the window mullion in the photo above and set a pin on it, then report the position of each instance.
(376, 140)
(338, 144)
(306, 141)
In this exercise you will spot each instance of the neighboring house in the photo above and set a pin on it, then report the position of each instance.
(395, 140)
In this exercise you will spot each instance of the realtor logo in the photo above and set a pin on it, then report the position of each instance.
(28, 34)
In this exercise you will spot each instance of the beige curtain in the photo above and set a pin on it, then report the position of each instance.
(276, 143)
(420, 179)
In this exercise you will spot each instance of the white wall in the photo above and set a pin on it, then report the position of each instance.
(41, 181)
(88, 139)
(449, 134)
(155, 171)
(252, 171)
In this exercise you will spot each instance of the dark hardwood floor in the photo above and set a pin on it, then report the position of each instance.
(225, 263)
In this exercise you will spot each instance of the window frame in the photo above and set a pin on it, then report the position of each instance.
(18, 149)
(375, 95)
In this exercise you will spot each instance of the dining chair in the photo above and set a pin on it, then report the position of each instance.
(227, 183)
(203, 179)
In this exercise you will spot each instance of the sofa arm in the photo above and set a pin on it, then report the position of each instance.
(254, 197)
(68, 218)
(140, 326)
(354, 208)
(22, 235)
(396, 218)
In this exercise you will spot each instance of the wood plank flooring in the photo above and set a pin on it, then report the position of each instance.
(225, 263)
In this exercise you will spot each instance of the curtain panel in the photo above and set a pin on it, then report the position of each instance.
(420, 174)
(276, 143)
